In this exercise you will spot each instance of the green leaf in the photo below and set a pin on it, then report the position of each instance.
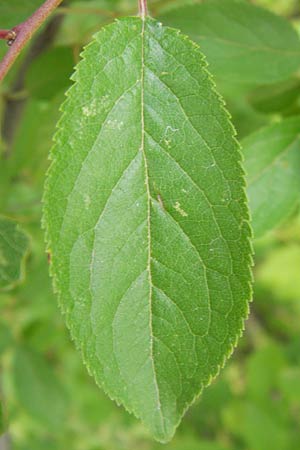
(279, 98)
(243, 43)
(14, 245)
(146, 220)
(272, 162)
(38, 389)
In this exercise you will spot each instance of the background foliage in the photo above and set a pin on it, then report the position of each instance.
(48, 400)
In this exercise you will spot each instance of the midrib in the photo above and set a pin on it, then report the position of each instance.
(148, 215)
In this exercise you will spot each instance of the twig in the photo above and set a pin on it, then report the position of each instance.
(8, 35)
(23, 33)
(143, 9)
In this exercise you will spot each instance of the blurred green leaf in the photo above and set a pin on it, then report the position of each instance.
(50, 74)
(272, 162)
(242, 42)
(38, 389)
(14, 245)
(259, 430)
(278, 98)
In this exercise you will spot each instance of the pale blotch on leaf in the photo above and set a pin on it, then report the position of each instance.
(180, 210)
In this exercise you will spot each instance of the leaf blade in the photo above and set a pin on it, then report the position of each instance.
(143, 259)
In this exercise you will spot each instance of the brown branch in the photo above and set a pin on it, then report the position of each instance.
(23, 33)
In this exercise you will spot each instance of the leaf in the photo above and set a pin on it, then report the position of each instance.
(272, 162)
(14, 245)
(243, 43)
(146, 221)
(38, 389)
(279, 98)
